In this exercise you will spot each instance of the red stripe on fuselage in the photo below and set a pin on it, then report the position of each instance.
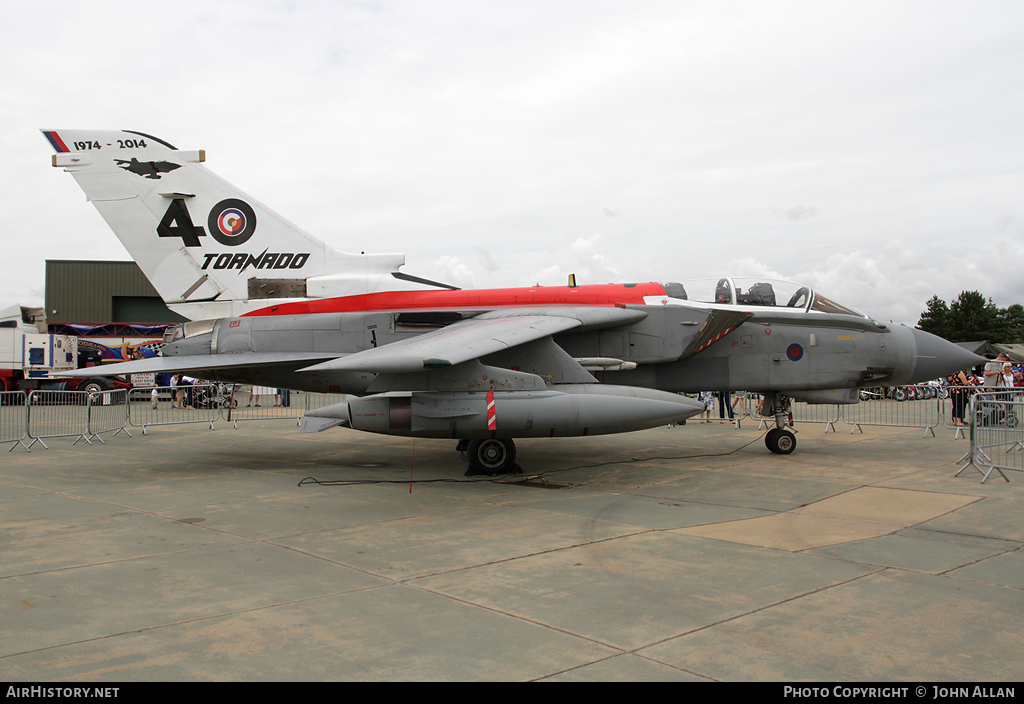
(480, 299)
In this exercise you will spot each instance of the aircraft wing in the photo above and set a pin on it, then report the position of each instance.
(454, 344)
(488, 333)
(198, 363)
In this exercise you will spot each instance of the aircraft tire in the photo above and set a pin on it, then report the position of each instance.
(491, 456)
(780, 441)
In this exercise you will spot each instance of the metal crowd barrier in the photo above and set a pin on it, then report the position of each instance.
(314, 399)
(957, 402)
(159, 405)
(13, 418)
(829, 414)
(996, 416)
(997, 433)
(921, 407)
(285, 405)
(36, 415)
(240, 403)
(958, 405)
(56, 414)
(800, 412)
(108, 412)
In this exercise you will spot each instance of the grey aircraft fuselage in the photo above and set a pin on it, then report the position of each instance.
(528, 365)
(805, 355)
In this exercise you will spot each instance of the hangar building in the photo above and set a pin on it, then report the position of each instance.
(102, 292)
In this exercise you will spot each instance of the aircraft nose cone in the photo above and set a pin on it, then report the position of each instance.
(937, 358)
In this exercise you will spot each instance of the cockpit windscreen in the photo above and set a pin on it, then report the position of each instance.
(827, 305)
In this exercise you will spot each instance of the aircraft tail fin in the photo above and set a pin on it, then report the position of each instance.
(209, 249)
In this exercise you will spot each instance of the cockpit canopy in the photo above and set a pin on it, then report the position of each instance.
(756, 292)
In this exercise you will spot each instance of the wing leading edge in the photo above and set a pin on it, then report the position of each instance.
(476, 337)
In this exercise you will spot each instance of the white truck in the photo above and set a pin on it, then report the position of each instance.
(29, 355)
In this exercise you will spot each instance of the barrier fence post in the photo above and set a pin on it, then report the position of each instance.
(969, 455)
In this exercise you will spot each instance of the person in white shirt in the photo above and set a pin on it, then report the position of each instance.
(994, 370)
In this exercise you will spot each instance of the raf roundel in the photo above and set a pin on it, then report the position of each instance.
(794, 352)
(232, 222)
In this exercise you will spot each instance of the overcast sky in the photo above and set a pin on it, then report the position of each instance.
(874, 150)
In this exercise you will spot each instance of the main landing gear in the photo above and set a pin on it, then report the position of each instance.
(780, 439)
(491, 456)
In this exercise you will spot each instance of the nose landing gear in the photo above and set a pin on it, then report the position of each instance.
(780, 439)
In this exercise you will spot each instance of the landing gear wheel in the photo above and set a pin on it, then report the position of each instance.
(780, 441)
(785, 442)
(491, 456)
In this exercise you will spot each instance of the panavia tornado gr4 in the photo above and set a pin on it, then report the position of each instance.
(271, 305)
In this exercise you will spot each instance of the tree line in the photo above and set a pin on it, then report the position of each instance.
(970, 317)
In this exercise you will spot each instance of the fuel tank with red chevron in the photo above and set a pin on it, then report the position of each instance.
(563, 411)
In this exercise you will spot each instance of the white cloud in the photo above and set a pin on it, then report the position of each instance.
(799, 212)
(450, 270)
(583, 258)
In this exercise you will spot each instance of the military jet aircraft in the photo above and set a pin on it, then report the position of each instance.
(482, 367)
